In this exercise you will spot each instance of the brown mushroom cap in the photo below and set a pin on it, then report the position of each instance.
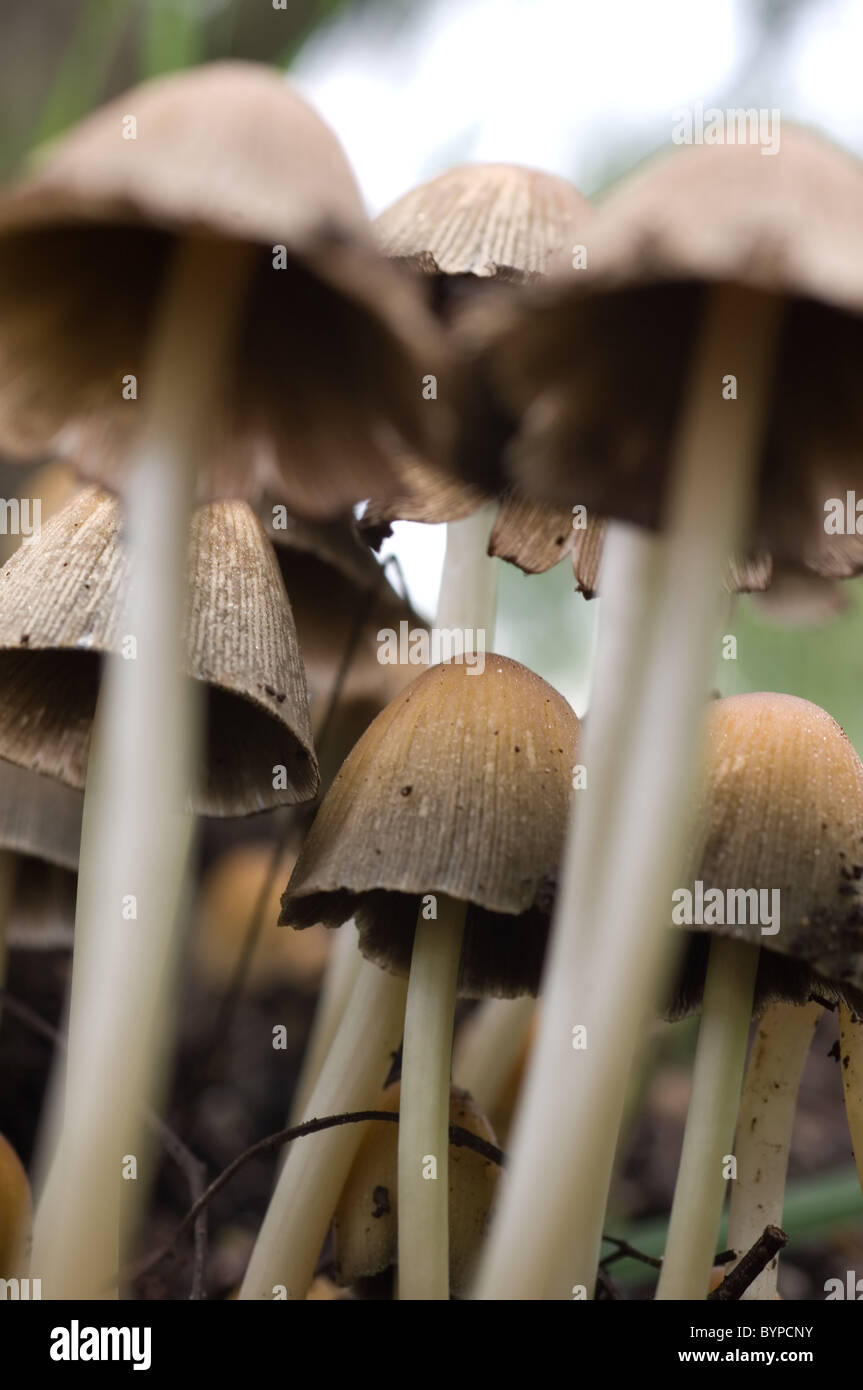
(330, 348)
(461, 786)
(491, 221)
(227, 901)
(622, 328)
(61, 609)
(781, 807)
(365, 1224)
(39, 816)
(15, 1209)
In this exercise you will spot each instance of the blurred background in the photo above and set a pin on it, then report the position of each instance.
(586, 89)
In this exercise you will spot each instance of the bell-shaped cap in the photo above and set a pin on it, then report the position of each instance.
(39, 816)
(365, 1224)
(461, 786)
(491, 221)
(591, 363)
(331, 344)
(61, 609)
(779, 832)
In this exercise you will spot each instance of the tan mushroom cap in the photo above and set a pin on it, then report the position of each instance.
(39, 816)
(592, 362)
(461, 786)
(331, 347)
(15, 1210)
(493, 221)
(227, 901)
(341, 599)
(781, 807)
(365, 1224)
(61, 609)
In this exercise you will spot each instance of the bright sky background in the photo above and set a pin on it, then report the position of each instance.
(580, 87)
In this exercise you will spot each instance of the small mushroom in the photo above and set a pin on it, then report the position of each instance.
(365, 1222)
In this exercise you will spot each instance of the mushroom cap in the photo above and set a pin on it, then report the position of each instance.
(365, 1223)
(39, 816)
(227, 901)
(61, 609)
(492, 221)
(590, 363)
(329, 349)
(461, 786)
(781, 807)
(15, 1209)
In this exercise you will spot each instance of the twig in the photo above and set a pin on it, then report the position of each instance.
(193, 1169)
(735, 1283)
(458, 1136)
(626, 1251)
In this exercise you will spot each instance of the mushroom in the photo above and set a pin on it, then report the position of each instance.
(438, 837)
(778, 836)
(219, 208)
(365, 1222)
(643, 381)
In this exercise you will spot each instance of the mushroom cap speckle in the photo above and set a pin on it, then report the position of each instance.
(461, 786)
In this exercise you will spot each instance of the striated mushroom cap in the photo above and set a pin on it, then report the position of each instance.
(590, 362)
(461, 786)
(61, 604)
(331, 344)
(781, 807)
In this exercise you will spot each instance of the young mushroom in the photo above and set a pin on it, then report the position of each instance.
(365, 1222)
(438, 837)
(777, 859)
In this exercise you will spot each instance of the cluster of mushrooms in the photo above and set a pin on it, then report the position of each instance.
(660, 389)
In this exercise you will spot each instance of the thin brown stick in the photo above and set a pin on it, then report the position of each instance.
(461, 1138)
(757, 1258)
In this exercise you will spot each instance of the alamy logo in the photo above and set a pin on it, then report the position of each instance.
(20, 516)
(736, 125)
(77, 1343)
(726, 907)
(21, 1290)
(420, 646)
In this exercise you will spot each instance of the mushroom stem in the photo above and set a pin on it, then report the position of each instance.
(136, 832)
(423, 1166)
(604, 964)
(467, 599)
(764, 1127)
(338, 982)
(717, 1078)
(488, 1047)
(315, 1171)
(851, 1055)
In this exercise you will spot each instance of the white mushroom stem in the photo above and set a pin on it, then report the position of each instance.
(851, 1062)
(136, 830)
(338, 982)
(605, 961)
(488, 1048)
(717, 1079)
(295, 1226)
(467, 601)
(764, 1127)
(423, 1158)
